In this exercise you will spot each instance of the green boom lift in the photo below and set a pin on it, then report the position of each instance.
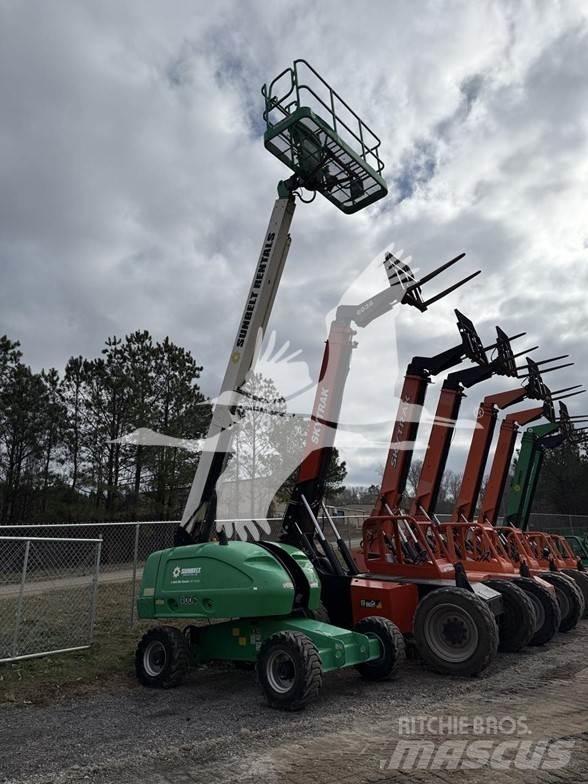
(254, 601)
(522, 491)
(579, 545)
(535, 442)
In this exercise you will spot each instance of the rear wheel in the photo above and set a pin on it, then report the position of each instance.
(391, 647)
(290, 671)
(547, 612)
(581, 580)
(569, 598)
(455, 632)
(162, 658)
(516, 625)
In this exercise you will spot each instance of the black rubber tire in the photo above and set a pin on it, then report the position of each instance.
(516, 625)
(550, 614)
(581, 580)
(566, 590)
(306, 666)
(392, 642)
(192, 635)
(473, 610)
(162, 659)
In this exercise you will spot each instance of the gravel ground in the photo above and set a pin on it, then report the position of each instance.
(216, 727)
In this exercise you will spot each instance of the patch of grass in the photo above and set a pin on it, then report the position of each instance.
(107, 664)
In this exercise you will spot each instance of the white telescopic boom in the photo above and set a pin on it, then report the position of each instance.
(197, 519)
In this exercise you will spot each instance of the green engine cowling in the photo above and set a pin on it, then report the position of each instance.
(238, 579)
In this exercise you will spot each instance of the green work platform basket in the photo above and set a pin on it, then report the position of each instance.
(316, 134)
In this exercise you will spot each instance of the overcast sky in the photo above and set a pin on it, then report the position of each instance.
(135, 188)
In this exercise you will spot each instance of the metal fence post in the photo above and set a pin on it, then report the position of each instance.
(134, 585)
(23, 578)
(95, 589)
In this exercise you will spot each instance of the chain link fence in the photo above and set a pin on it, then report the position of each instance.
(124, 548)
(575, 525)
(58, 618)
(48, 589)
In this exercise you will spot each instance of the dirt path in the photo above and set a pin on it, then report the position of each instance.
(61, 583)
(216, 728)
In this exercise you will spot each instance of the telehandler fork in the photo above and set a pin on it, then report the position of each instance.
(463, 550)
(455, 628)
(532, 619)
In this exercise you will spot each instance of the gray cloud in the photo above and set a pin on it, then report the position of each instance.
(135, 187)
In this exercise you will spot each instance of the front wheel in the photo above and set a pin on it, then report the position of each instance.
(455, 632)
(290, 671)
(581, 580)
(391, 648)
(162, 658)
(569, 598)
(547, 612)
(517, 623)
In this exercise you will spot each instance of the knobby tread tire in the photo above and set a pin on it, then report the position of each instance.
(516, 626)
(309, 670)
(551, 611)
(485, 623)
(581, 580)
(574, 596)
(177, 657)
(392, 642)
